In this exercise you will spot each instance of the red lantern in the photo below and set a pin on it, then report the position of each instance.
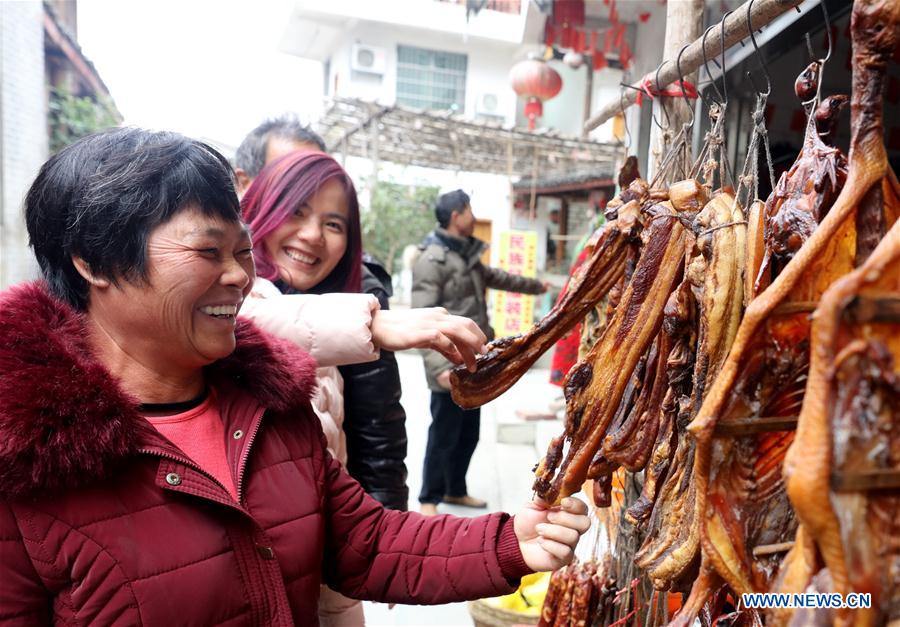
(535, 81)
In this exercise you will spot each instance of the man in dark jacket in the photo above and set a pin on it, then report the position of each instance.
(448, 273)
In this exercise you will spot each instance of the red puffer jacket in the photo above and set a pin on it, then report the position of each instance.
(105, 522)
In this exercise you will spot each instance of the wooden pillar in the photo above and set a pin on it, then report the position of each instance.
(588, 94)
(373, 154)
(563, 230)
(684, 24)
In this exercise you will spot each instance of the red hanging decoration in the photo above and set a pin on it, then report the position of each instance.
(535, 81)
(549, 33)
(625, 55)
(644, 17)
(613, 12)
(619, 40)
(568, 12)
(580, 41)
(608, 38)
(565, 37)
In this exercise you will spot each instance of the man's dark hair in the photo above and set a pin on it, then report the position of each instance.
(100, 198)
(448, 204)
(251, 154)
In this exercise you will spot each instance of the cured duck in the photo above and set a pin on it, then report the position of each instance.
(846, 425)
(765, 374)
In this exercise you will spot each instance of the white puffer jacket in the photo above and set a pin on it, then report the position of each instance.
(336, 329)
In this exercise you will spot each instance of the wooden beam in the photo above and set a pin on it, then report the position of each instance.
(864, 480)
(85, 70)
(764, 11)
(358, 127)
(750, 426)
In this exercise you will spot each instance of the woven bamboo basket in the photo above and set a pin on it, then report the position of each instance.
(485, 615)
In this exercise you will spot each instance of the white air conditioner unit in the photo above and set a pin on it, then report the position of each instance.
(488, 103)
(368, 59)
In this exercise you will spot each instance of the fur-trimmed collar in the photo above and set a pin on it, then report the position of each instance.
(64, 419)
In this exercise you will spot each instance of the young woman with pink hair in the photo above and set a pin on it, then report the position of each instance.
(303, 213)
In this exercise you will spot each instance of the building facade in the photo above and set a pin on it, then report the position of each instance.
(40, 63)
(444, 55)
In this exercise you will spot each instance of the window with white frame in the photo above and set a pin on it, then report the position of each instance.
(430, 79)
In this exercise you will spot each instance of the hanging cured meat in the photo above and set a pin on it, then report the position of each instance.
(855, 373)
(804, 193)
(848, 425)
(595, 386)
(680, 330)
(715, 277)
(508, 358)
(577, 595)
(765, 375)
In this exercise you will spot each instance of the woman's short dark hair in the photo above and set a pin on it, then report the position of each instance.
(100, 198)
(448, 204)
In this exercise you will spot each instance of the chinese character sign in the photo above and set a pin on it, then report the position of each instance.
(513, 312)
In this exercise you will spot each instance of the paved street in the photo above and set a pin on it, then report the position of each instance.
(499, 473)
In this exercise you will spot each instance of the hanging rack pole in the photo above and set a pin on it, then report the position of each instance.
(763, 12)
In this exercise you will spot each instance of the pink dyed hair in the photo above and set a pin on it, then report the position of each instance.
(281, 187)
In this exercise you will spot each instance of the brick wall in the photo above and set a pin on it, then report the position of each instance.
(23, 129)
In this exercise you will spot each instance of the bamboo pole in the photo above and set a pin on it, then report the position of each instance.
(764, 11)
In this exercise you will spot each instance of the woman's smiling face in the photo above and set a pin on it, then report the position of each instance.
(312, 241)
(199, 269)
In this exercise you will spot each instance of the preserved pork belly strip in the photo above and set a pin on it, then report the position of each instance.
(508, 358)
(680, 327)
(630, 441)
(631, 444)
(715, 276)
(595, 386)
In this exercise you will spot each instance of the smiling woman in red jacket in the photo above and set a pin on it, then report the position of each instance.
(159, 460)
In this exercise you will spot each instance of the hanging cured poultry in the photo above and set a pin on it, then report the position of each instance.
(765, 375)
(848, 421)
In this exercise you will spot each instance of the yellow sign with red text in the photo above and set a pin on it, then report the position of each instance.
(514, 312)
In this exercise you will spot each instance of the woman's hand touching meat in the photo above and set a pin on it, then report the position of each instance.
(548, 535)
(457, 338)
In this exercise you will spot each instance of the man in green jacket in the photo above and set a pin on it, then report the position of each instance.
(448, 273)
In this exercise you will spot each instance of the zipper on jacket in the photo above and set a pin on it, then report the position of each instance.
(242, 464)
